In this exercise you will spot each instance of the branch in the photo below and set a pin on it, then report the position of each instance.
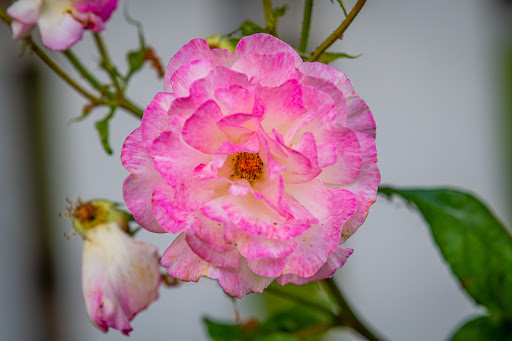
(338, 33)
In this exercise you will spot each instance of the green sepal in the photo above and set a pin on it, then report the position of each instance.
(87, 215)
(248, 28)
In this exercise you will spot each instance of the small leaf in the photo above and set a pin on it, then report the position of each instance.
(86, 110)
(294, 319)
(484, 328)
(312, 293)
(136, 60)
(249, 27)
(472, 240)
(103, 129)
(279, 11)
(328, 57)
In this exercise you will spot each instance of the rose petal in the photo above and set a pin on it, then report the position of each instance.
(335, 261)
(194, 50)
(364, 186)
(267, 69)
(120, 277)
(265, 43)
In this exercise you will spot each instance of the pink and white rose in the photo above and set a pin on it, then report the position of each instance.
(61, 22)
(120, 277)
(262, 163)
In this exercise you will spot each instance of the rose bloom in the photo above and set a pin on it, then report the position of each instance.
(261, 162)
(61, 22)
(120, 277)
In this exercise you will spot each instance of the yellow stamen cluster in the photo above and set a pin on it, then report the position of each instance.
(247, 166)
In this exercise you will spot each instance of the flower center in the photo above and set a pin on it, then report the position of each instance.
(247, 166)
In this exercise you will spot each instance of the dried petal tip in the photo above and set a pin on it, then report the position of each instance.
(88, 215)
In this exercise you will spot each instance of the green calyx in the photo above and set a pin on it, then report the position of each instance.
(88, 215)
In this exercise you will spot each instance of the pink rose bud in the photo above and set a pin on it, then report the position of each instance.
(120, 275)
(261, 162)
(61, 22)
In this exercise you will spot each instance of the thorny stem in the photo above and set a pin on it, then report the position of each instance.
(106, 61)
(269, 17)
(338, 33)
(306, 23)
(347, 317)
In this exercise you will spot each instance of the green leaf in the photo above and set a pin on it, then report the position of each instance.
(224, 332)
(328, 57)
(475, 244)
(295, 318)
(249, 27)
(285, 325)
(484, 328)
(136, 59)
(103, 129)
(279, 297)
(279, 12)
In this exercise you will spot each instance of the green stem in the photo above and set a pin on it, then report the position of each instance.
(4, 16)
(269, 17)
(306, 23)
(338, 33)
(48, 61)
(130, 107)
(301, 300)
(106, 61)
(347, 316)
(121, 101)
(73, 59)
(51, 64)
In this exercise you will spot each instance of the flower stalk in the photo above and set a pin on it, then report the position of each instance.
(306, 24)
(338, 33)
(107, 64)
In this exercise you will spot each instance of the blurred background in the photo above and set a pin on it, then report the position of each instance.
(437, 75)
